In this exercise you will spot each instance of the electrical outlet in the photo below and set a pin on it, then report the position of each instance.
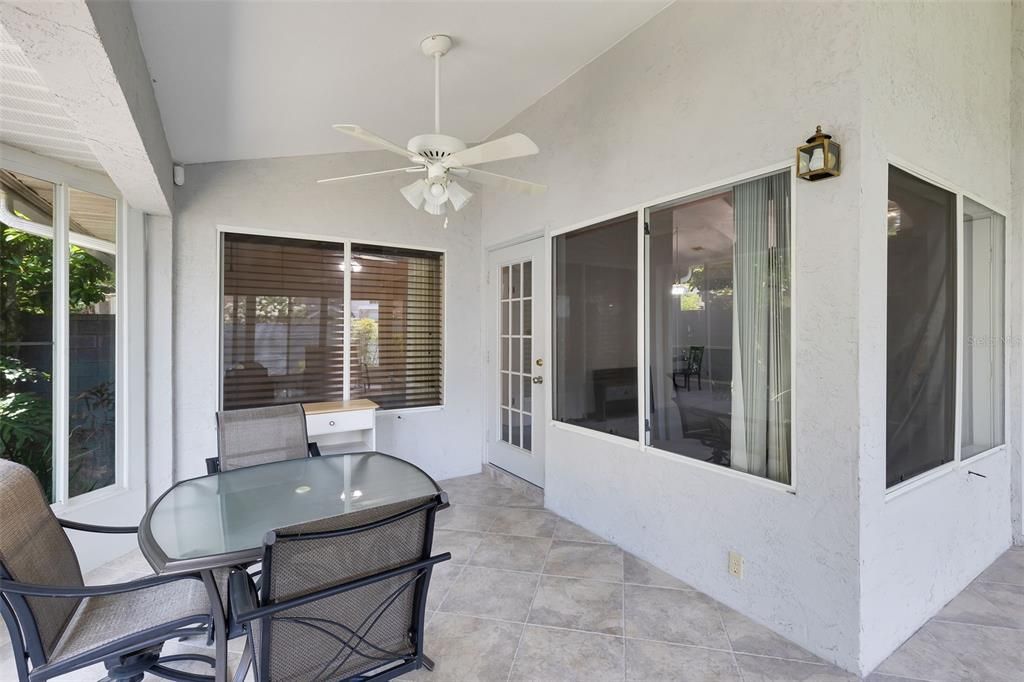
(735, 565)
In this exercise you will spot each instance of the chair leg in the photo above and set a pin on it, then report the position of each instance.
(244, 662)
(428, 662)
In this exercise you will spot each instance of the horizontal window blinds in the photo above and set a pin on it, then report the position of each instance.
(283, 324)
(397, 326)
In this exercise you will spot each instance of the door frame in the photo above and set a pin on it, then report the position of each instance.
(541, 345)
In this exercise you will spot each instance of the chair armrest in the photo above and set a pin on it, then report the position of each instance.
(242, 601)
(314, 449)
(90, 528)
(212, 465)
(30, 590)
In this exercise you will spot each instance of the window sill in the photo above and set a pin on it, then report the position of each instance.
(920, 480)
(599, 435)
(974, 459)
(94, 497)
(720, 470)
(399, 411)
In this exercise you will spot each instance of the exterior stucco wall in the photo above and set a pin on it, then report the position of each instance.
(702, 93)
(282, 195)
(936, 96)
(1016, 243)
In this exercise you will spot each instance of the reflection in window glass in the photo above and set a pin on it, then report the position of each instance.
(920, 340)
(284, 321)
(26, 324)
(983, 330)
(92, 333)
(719, 328)
(397, 322)
(595, 314)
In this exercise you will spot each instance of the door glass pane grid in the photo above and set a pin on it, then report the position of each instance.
(515, 345)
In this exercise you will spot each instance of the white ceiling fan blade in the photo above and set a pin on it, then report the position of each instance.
(374, 139)
(504, 182)
(508, 147)
(408, 169)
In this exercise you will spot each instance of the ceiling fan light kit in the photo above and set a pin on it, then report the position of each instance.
(442, 157)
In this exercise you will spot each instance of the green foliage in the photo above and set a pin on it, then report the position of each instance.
(365, 331)
(25, 420)
(26, 291)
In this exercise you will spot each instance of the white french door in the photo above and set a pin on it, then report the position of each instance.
(516, 369)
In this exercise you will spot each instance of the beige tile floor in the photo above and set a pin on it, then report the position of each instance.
(530, 596)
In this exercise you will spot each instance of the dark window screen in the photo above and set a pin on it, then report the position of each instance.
(920, 347)
(595, 309)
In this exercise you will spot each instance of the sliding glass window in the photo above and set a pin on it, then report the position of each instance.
(718, 327)
(982, 374)
(396, 349)
(921, 329)
(595, 324)
(284, 323)
(51, 335)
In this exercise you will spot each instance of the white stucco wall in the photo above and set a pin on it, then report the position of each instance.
(281, 194)
(159, 355)
(705, 92)
(1017, 250)
(936, 95)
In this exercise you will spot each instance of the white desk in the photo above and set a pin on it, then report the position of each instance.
(342, 426)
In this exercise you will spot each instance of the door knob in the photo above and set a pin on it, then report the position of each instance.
(538, 380)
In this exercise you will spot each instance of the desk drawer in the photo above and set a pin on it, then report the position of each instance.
(338, 422)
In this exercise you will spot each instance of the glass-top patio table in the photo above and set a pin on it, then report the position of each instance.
(220, 520)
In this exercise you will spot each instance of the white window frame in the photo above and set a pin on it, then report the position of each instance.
(346, 244)
(643, 353)
(64, 178)
(955, 464)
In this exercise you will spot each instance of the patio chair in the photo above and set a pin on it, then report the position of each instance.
(260, 435)
(57, 624)
(692, 364)
(340, 598)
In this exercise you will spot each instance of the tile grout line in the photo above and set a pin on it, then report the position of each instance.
(936, 619)
(536, 591)
(728, 638)
(623, 619)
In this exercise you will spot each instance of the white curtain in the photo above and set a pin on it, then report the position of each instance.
(761, 329)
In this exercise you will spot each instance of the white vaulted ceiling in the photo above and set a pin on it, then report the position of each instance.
(250, 79)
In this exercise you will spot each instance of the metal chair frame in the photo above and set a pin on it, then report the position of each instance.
(312, 449)
(127, 658)
(245, 607)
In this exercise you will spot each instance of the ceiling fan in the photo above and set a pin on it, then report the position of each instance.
(442, 158)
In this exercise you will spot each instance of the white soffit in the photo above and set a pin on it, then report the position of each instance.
(30, 116)
(254, 79)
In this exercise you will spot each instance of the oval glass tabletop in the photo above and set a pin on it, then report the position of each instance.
(221, 519)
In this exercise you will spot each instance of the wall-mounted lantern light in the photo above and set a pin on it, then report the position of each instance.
(819, 158)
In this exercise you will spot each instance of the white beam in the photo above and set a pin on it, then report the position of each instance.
(91, 59)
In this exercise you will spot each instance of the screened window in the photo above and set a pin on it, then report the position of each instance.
(982, 374)
(284, 323)
(718, 327)
(921, 329)
(595, 318)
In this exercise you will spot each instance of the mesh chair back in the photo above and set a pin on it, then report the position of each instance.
(260, 435)
(35, 549)
(356, 631)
